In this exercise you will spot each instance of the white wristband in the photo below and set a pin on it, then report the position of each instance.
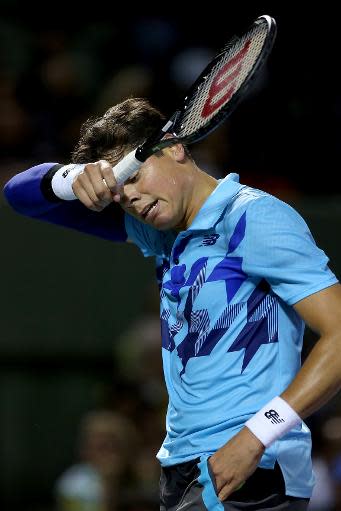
(62, 181)
(274, 420)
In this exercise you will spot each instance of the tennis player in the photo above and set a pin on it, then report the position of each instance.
(239, 275)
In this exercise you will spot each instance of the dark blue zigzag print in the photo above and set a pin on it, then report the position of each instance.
(166, 334)
(238, 234)
(229, 269)
(200, 340)
(178, 280)
(262, 323)
(261, 328)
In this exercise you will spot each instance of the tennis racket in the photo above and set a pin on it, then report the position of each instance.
(212, 97)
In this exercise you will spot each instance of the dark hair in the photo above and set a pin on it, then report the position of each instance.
(124, 126)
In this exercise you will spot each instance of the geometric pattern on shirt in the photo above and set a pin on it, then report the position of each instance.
(167, 336)
(195, 280)
(229, 269)
(200, 340)
(169, 331)
(161, 270)
(261, 326)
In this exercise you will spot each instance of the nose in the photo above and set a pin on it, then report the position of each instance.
(130, 194)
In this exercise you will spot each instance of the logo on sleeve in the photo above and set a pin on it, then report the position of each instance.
(273, 416)
(209, 239)
(69, 168)
(66, 172)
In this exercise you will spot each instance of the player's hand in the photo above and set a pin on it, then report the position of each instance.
(233, 463)
(96, 186)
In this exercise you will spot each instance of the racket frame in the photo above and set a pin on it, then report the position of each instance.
(156, 142)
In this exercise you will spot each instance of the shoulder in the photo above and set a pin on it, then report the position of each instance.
(263, 209)
(256, 199)
(260, 210)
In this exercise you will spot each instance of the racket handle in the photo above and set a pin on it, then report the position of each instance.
(126, 167)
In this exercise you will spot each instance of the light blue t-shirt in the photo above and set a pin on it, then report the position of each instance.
(231, 339)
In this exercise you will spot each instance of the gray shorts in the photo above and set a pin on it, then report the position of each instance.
(190, 486)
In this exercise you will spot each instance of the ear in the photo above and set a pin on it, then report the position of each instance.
(177, 152)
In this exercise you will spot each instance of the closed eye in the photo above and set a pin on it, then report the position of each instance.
(133, 178)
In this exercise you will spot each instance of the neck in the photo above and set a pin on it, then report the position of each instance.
(201, 186)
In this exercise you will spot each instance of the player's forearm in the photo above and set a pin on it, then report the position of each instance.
(317, 381)
(319, 378)
(23, 192)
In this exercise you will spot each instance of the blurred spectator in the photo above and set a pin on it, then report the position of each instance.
(105, 447)
(14, 121)
(327, 464)
(323, 498)
(336, 473)
(139, 366)
(138, 351)
(332, 440)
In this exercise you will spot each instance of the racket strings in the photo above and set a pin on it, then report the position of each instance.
(225, 78)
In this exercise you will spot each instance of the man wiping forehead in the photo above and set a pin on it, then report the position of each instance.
(239, 274)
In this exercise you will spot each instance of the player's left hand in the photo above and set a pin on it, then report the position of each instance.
(233, 463)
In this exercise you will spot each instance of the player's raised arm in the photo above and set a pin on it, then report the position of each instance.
(83, 195)
(38, 193)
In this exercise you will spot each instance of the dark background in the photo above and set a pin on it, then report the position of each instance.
(66, 298)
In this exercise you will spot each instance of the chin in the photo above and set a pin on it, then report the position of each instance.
(164, 224)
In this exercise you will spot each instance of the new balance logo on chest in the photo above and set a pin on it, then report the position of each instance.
(209, 239)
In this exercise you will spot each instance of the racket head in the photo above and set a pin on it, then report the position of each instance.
(219, 88)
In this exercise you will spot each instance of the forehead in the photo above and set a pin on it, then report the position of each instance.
(158, 168)
(154, 161)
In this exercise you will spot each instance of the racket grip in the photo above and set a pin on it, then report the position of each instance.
(126, 167)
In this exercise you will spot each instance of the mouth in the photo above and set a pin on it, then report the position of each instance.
(148, 210)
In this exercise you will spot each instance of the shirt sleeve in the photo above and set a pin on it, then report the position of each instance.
(281, 249)
(148, 239)
(23, 192)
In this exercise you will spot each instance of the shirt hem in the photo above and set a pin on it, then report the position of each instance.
(303, 494)
(312, 290)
